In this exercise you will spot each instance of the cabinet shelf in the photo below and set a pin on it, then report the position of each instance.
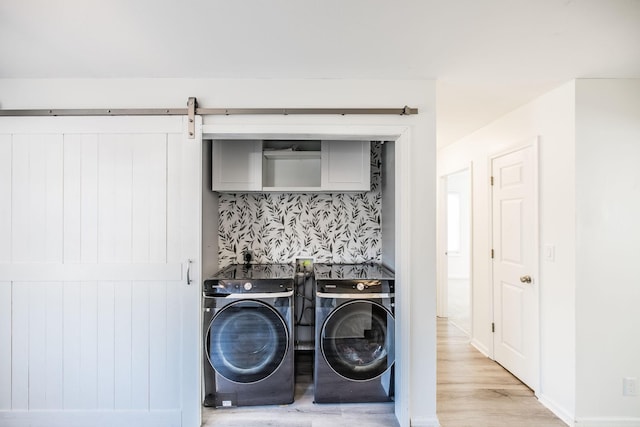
(291, 155)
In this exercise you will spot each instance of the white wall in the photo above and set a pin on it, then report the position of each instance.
(419, 191)
(608, 249)
(551, 118)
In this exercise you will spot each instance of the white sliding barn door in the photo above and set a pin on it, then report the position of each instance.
(98, 217)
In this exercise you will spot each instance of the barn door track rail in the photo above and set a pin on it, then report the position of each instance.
(192, 110)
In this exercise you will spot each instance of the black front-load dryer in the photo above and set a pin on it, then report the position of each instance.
(248, 336)
(354, 333)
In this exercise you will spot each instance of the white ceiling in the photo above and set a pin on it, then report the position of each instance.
(488, 56)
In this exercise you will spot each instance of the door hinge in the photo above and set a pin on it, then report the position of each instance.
(492, 253)
(491, 180)
(493, 327)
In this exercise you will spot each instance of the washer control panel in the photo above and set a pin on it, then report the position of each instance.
(250, 279)
(212, 288)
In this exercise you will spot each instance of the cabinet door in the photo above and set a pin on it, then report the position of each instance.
(237, 165)
(346, 165)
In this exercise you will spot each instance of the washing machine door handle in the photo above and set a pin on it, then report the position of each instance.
(353, 296)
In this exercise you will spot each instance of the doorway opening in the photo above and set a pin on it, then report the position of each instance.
(458, 249)
(394, 145)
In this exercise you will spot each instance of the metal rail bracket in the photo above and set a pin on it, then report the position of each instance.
(191, 112)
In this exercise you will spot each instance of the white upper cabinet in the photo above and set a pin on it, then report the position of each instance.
(237, 165)
(346, 165)
(291, 166)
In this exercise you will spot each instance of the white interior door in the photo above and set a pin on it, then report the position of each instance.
(515, 288)
(98, 218)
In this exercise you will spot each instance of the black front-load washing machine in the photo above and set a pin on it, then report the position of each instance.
(354, 333)
(248, 336)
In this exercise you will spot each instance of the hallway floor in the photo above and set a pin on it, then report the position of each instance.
(459, 303)
(474, 391)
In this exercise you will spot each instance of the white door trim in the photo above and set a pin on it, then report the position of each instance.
(532, 142)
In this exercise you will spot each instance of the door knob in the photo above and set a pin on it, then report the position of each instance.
(525, 279)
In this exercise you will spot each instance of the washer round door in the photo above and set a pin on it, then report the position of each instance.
(247, 341)
(357, 340)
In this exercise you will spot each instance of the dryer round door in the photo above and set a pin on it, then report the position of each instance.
(247, 341)
(357, 340)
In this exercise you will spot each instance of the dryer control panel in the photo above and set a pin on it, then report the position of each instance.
(355, 286)
(368, 278)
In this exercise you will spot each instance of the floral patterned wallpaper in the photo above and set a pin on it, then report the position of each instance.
(278, 227)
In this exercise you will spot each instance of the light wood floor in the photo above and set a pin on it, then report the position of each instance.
(474, 391)
(459, 303)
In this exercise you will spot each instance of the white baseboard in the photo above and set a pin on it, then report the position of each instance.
(608, 422)
(168, 418)
(425, 422)
(481, 348)
(557, 410)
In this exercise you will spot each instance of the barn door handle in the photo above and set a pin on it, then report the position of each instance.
(189, 271)
(525, 279)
